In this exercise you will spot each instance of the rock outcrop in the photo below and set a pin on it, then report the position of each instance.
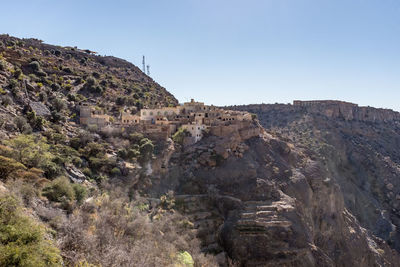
(358, 153)
(272, 206)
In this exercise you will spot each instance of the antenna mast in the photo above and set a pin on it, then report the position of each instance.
(144, 65)
(148, 70)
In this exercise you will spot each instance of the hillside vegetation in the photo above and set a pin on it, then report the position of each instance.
(67, 197)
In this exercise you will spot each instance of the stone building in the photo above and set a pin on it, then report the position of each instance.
(163, 122)
(127, 118)
(195, 130)
(92, 116)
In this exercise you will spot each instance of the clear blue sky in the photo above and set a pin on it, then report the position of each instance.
(237, 51)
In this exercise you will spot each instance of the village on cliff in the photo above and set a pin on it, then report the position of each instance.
(194, 117)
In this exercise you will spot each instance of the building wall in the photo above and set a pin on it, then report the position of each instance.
(151, 114)
(196, 130)
(127, 118)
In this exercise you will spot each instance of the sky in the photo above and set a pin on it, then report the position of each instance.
(231, 52)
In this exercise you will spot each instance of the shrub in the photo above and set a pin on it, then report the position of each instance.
(57, 117)
(55, 87)
(80, 192)
(51, 169)
(115, 171)
(3, 65)
(71, 97)
(9, 166)
(22, 125)
(35, 66)
(13, 84)
(146, 150)
(134, 236)
(43, 96)
(59, 104)
(91, 81)
(59, 190)
(17, 73)
(23, 241)
(35, 121)
(93, 150)
(41, 73)
(180, 135)
(6, 100)
(32, 151)
(121, 100)
(135, 137)
(185, 259)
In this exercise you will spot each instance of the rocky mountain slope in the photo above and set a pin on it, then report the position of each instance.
(271, 204)
(357, 147)
(62, 77)
(307, 189)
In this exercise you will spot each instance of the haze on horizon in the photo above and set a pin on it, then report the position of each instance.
(235, 52)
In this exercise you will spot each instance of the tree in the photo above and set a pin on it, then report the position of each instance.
(8, 166)
(180, 135)
(22, 240)
(146, 150)
(59, 189)
(30, 150)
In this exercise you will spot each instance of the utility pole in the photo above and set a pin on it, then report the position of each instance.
(148, 70)
(144, 65)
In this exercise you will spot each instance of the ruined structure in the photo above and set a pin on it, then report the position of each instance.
(92, 116)
(163, 122)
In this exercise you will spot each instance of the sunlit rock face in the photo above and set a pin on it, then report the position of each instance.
(263, 201)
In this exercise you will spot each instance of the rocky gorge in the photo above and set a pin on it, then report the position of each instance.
(302, 185)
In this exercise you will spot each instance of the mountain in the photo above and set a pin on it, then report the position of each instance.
(357, 147)
(100, 166)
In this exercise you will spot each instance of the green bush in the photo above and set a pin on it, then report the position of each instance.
(80, 192)
(59, 190)
(121, 100)
(146, 150)
(3, 65)
(23, 241)
(35, 122)
(13, 84)
(185, 259)
(33, 152)
(91, 81)
(22, 125)
(180, 135)
(17, 73)
(135, 137)
(8, 166)
(43, 96)
(35, 66)
(115, 171)
(93, 149)
(59, 104)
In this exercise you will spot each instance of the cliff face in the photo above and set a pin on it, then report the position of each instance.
(330, 109)
(270, 204)
(358, 150)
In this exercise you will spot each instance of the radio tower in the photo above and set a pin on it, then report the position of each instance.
(144, 65)
(148, 70)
